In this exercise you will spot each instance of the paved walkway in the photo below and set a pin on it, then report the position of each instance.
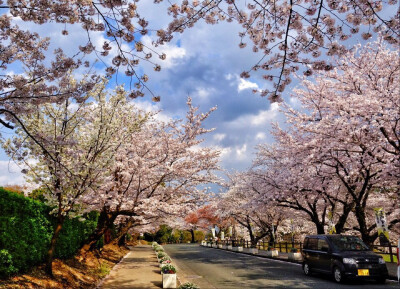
(138, 269)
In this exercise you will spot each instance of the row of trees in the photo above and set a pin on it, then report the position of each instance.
(336, 159)
(107, 155)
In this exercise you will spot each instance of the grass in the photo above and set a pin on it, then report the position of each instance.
(386, 257)
(104, 270)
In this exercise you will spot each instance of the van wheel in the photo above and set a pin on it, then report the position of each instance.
(338, 275)
(307, 269)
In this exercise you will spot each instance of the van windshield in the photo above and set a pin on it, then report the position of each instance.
(348, 243)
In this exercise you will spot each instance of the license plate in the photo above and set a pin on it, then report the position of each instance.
(363, 272)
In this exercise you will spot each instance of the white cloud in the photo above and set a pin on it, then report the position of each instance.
(246, 84)
(174, 53)
(261, 136)
(10, 174)
(265, 116)
(219, 137)
(241, 152)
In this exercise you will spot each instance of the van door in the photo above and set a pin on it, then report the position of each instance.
(324, 256)
(311, 253)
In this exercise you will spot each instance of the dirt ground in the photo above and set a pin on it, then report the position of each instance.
(79, 272)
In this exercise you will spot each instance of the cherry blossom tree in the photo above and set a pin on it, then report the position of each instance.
(203, 218)
(243, 203)
(288, 33)
(358, 145)
(70, 148)
(354, 156)
(157, 174)
(28, 70)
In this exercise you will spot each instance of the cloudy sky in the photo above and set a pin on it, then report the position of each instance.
(204, 63)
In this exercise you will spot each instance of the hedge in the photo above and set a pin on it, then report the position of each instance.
(26, 228)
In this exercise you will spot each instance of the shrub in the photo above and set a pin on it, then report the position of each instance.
(26, 228)
(188, 285)
(6, 264)
(159, 249)
(164, 259)
(161, 254)
(168, 269)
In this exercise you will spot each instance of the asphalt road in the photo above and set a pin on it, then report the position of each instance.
(216, 268)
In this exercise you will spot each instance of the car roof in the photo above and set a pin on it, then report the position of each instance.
(329, 235)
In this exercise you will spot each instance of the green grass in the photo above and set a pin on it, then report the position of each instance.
(103, 270)
(386, 257)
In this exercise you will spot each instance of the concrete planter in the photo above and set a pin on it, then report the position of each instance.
(253, 250)
(229, 247)
(169, 280)
(273, 253)
(220, 246)
(209, 245)
(203, 243)
(238, 249)
(295, 257)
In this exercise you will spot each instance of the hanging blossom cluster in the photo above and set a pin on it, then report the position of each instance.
(290, 34)
(117, 19)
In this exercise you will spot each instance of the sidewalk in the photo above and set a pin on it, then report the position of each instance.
(138, 269)
(392, 267)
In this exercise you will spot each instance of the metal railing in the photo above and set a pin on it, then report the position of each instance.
(286, 247)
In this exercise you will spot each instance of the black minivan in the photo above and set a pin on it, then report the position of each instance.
(343, 257)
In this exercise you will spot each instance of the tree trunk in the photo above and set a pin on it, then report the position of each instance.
(343, 218)
(192, 232)
(104, 222)
(360, 216)
(123, 231)
(53, 243)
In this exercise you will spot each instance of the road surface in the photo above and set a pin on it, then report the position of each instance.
(215, 268)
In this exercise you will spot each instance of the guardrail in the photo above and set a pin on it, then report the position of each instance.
(388, 252)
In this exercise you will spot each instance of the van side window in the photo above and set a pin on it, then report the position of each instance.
(322, 245)
(312, 244)
(305, 245)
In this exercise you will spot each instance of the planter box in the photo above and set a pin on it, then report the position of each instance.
(229, 247)
(253, 250)
(208, 245)
(295, 257)
(238, 249)
(169, 280)
(220, 246)
(273, 253)
(203, 243)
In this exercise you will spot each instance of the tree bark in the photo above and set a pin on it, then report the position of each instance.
(121, 238)
(192, 233)
(105, 221)
(53, 243)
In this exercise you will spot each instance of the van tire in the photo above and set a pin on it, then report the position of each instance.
(338, 275)
(306, 269)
